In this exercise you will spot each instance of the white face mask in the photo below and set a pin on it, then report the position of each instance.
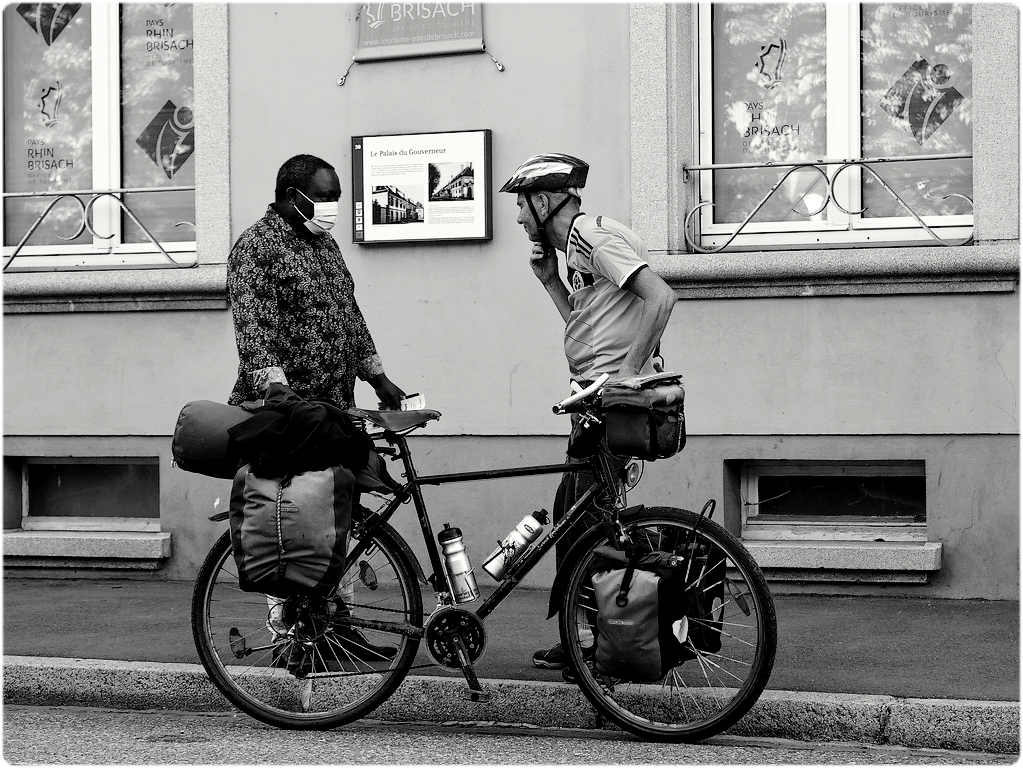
(324, 215)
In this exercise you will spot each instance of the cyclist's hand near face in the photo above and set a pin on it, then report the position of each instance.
(545, 265)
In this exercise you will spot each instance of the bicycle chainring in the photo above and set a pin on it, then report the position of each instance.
(440, 631)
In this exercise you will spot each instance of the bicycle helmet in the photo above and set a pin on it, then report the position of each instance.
(551, 172)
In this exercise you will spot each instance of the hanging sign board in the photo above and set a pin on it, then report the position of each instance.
(421, 187)
(407, 30)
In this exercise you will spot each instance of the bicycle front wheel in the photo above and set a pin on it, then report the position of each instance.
(729, 643)
(306, 662)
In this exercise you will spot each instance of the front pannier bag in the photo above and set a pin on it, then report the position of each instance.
(290, 535)
(638, 602)
(645, 418)
(656, 610)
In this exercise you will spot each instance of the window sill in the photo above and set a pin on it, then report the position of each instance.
(200, 287)
(122, 550)
(876, 562)
(754, 530)
(979, 268)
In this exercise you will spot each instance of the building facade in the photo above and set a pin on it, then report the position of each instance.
(459, 187)
(831, 189)
(392, 206)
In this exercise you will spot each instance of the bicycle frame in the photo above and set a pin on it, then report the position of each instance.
(412, 489)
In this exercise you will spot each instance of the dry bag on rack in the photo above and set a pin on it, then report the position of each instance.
(290, 535)
(201, 442)
(645, 418)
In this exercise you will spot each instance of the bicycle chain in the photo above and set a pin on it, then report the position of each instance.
(377, 608)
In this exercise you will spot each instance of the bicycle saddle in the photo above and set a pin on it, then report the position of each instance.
(395, 421)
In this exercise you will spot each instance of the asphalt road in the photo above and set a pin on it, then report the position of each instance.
(67, 735)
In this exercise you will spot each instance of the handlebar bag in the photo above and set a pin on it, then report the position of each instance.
(289, 535)
(645, 418)
(201, 443)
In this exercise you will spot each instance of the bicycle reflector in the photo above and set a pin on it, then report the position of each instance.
(632, 473)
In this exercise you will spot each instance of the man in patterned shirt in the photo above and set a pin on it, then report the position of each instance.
(296, 320)
(615, 309)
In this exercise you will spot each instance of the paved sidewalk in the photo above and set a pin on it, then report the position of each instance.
(843, 658)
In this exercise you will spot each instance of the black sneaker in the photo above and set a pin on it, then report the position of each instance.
(552, 658)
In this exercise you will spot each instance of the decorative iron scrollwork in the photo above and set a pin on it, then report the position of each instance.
(689, 229)
(86, 223)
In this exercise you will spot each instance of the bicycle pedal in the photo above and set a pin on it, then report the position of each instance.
(472, 695)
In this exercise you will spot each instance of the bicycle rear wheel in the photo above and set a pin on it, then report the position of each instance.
(716, 686)
(299, 663)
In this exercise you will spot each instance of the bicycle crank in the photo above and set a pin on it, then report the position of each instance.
(456, 638)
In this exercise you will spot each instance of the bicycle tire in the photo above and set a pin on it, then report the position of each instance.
(711, 691)
(327, 676)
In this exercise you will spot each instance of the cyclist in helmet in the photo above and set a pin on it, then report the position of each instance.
(615, 307)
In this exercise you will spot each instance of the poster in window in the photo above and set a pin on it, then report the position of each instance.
(769, 96)
(917, 100)
(157, 119)
(47, 115)
(421, 187)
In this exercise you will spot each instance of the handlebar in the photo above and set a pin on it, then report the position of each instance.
(583, 394)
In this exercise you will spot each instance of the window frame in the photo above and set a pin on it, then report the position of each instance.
(830, 528)
(103, 253)
(844, 140)
(30, 522)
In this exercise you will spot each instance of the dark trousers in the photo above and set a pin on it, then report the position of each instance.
(573, 485)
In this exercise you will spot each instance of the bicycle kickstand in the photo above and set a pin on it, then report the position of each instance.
(474, 692)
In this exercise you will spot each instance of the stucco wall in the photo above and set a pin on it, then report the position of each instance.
(466, 325)
(841, 365)
(766, 379)
(470, 328)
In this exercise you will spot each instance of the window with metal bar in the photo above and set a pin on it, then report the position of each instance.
(99, 136)
(833, 124)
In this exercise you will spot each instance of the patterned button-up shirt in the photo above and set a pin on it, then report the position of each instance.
(296, 320)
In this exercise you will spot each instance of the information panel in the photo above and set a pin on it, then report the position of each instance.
(421, 187)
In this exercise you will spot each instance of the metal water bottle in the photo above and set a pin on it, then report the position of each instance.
(463, 583)
(515, 543)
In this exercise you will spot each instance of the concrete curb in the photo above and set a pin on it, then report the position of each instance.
(976, 726)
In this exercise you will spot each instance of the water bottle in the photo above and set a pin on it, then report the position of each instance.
(509, 550)
(463, 583)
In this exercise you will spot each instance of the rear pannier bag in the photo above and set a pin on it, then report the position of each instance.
(289, 535)
(645, 419)
(201, 443)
